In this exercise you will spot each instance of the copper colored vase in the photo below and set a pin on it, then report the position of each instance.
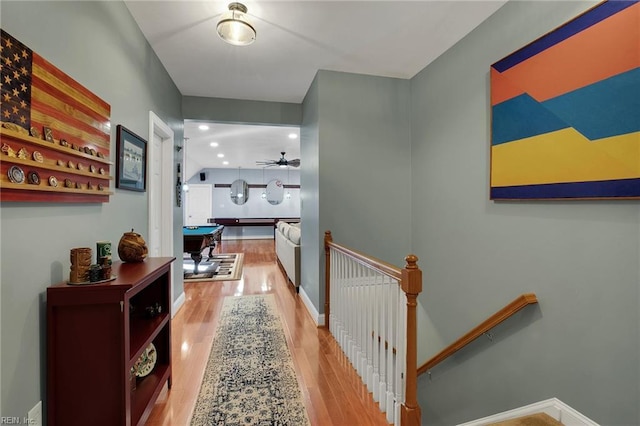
(132, 247)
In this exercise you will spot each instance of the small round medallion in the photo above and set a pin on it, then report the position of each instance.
(33, 178)
(16, 175)
(53, 181)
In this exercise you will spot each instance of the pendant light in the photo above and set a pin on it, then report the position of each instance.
(235, 28)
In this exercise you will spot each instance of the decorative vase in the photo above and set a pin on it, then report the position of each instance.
(132, 247)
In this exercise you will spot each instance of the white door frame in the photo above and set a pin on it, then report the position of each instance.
(167, 190)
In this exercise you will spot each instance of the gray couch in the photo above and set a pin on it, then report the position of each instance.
(288, 250)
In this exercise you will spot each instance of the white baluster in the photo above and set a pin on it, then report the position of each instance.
(383, 338)
(401, 358)
(370, 330)
(374, 339)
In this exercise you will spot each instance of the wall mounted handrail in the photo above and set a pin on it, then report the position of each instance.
(495, 319)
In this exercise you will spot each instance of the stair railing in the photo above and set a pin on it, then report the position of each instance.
(518, 303)
(370, 309)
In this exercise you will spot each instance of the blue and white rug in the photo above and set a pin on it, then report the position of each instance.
(250, 377)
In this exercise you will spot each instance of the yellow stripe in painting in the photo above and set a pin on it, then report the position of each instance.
(565, 156)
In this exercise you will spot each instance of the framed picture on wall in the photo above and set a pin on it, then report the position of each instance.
(565, 111)
(131, 160)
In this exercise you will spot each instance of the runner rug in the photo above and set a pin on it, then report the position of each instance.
(249, 378)
(218, 267)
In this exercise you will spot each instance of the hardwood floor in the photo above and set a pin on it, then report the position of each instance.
(332, 391)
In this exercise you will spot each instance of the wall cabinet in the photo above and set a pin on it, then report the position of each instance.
(95, 335)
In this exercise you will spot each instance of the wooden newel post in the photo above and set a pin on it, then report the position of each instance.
(410, 414)
(327, 276)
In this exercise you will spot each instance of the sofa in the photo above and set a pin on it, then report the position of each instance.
(287, 240)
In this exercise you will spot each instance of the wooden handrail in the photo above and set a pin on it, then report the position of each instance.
(495, 319)
(371, 262)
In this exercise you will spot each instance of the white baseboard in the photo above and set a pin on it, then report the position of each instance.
(317, 317)
(177, 304)
(552, 407)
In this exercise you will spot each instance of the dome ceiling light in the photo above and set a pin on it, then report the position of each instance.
(234, 28)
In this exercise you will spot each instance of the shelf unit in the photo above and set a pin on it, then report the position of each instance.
(90, 174)
(95, 335)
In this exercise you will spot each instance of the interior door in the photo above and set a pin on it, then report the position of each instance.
(160, 188)
(198, 205)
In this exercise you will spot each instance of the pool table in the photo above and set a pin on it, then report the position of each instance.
(196, 238)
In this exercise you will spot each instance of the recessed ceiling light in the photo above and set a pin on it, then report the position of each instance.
(292, 136)
(226, 163)
(214, 144)
(203, 127)
(221, 155)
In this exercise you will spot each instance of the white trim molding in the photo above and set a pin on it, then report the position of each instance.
(552, 407)
(177, 304)
(317, 317)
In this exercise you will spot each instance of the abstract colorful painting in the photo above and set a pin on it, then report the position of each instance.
(566, 111)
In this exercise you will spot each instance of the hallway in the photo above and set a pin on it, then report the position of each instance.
(331, 389)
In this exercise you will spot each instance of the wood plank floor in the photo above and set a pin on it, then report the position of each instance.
(332, 391)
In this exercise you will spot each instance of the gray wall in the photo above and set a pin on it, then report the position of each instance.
(581, 258)
(241, 111)
(311, 251)
(99, 45)
(360, 125)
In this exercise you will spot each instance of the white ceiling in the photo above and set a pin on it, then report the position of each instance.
(241, 145)
(294, 40)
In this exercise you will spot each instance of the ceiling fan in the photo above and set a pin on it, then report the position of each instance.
(282, 162)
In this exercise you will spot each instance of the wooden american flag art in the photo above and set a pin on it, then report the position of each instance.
(37, 96)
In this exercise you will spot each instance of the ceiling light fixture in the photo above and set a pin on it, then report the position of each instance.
(234, 28)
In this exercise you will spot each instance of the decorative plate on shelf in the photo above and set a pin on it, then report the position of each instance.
(144, 365)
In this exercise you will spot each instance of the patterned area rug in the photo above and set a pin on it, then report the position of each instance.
(220, 267)
(250, 378)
